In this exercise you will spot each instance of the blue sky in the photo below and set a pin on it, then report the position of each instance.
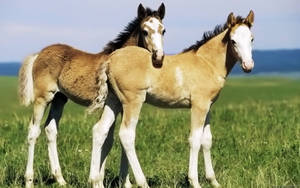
(26, 26)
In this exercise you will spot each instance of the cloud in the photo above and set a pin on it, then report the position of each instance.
(28, 26)
(21, 40)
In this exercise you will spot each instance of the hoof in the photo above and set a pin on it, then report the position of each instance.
(96, 183)
(194, 182)
(29, 181)
(29, 184)
(61, 181)
(215, 184)
(128, 185)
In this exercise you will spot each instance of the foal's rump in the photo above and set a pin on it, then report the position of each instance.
(83, 78)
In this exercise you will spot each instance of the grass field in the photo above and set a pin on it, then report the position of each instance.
(256, 139)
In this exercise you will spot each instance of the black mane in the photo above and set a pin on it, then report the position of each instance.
(211, 34)
(133, 28)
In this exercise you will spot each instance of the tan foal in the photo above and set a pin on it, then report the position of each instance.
(192, 79)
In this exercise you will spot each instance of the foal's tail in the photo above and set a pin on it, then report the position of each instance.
(99, 101)
(25, 87)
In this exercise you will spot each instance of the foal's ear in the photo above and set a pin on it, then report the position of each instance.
(231, 20)
(161, 11)
(141, 11)
(250, 19)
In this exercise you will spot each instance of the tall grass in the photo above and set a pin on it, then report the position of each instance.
(256, 140)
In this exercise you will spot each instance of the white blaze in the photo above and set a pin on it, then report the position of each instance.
(154, 29)
(243, 45)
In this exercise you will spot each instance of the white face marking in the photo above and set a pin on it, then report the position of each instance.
(242, 38)
(178, 76)
(154, 38)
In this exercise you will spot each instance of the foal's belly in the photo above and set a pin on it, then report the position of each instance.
(168, 102)
(84, 100)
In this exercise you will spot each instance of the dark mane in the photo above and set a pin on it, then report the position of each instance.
(133, 28)
(211, 34)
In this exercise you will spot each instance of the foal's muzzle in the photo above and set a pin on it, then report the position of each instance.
(247, 66)
(157, 58)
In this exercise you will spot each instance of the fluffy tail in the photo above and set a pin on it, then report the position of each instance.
(99, 101)
(25, 87)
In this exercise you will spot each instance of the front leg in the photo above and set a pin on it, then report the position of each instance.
(127, 136)
(206, 143)
(102, 140)
(198, 113)
(104, 153)
(124, 174)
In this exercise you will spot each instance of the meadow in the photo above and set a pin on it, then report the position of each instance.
(256, 139)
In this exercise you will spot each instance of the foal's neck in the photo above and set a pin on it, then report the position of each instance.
(216, 53)
(132, 41)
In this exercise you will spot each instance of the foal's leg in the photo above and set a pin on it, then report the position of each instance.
(101, 143)
(206, 143)
(34, 131)
(100, 134)
(104, 152)
(131, 113)
(51, 126)
(124, 161)
(198, 114)
(124, 174)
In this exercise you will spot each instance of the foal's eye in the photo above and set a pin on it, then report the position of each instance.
(145, 33)
(252, 39)
(233, 42)
(164, 31)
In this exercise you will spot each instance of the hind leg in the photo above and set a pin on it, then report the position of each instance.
(51, 126)
(39, 107)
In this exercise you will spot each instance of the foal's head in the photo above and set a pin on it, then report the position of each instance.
(151, 32)
(241, 39)
(145, 31)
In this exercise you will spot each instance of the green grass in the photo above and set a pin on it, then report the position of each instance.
(256, 139)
